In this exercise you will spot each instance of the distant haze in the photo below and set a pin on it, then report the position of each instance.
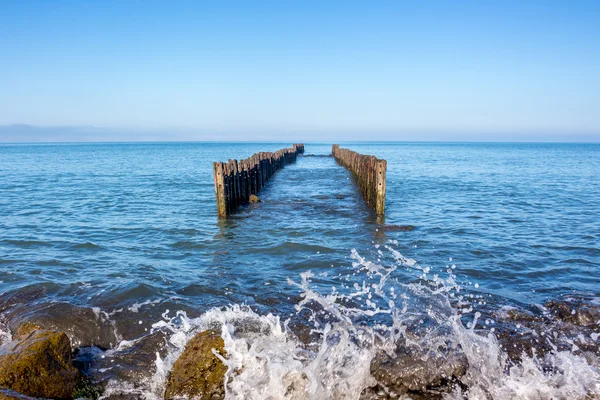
(277, 71)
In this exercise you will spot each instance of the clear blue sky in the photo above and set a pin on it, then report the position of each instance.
(397, 70)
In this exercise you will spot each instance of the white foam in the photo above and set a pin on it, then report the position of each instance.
(266, 360)
(136, 306)
(5, 335)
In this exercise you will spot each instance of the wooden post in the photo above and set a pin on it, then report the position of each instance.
(220, 189)
(381, 187)
(236, 180)
(244, 181)
(228, 188)
(370, 174)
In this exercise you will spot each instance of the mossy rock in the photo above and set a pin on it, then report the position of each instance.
(86, 389)
(25, 329)
(38, 364)
(198, 373)
(7, 394)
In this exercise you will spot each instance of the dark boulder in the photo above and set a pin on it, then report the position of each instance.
(412, 371)
(576, 312)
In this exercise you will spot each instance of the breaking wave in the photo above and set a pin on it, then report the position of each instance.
(385, 337)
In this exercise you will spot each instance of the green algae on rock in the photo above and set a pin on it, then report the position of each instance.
(38, 364)
(199, 373)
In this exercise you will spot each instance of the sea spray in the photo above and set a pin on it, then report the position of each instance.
(380, 336)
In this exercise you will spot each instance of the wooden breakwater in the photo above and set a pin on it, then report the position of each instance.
(369, 172)
(236, 181)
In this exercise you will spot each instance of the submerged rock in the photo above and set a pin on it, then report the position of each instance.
(83, 326)
(132, 364)
(397, 228)
(198, 373)
(254, 199)
(38, 364)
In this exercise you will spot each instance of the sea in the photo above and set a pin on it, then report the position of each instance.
(482, 281)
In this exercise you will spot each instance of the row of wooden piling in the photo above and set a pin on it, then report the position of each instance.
(236, 181)
(369, 172)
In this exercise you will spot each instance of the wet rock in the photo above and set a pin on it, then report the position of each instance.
(381, 393)
(83, 326)
(520, 333)
(132, 364)
(38, 364)
(22, 298)
(575, 312)
(86, 389)
(520, 316)
(25, 329)
(198, 373)
(254, 199)
(521, 342)
(411, 371)
(7, 394)
(563, 325)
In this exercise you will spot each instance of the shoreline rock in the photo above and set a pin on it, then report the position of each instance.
(198, 373)
(84, 327)
(415, 373)
(37, 363)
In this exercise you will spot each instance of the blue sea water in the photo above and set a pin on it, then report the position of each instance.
(131, 229)
(521, 220)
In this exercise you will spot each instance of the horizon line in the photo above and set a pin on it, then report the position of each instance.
(310, 142)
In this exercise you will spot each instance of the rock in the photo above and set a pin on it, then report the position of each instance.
(25, 329)
(83, 326)
(397, 228)
(38, 364)
(254, 199)
(198, 373)
(411, 371)
(562, 326)
(86, 389)
(133, 364)
(6, 394)
(575, 311)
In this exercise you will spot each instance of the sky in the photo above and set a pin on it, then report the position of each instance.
(310, 70)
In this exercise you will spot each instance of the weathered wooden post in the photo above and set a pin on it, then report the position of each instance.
(381, 187)
(370, 174)
(244, 180)
(236, 180)
(220, 189)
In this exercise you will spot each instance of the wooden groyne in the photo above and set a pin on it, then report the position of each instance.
(236, 181)
(369, 172)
